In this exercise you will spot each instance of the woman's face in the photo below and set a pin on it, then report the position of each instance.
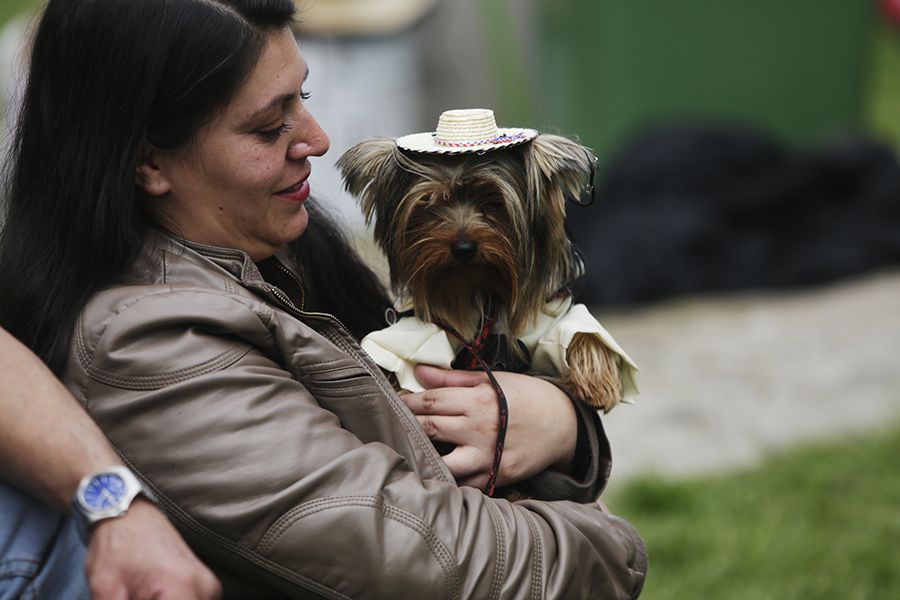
(244, 181)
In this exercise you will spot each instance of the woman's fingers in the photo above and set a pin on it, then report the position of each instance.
(461, 430)
(434, 377)
(446, 401)
(479, 401)
(442, 428)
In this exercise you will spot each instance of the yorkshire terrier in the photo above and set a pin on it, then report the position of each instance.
(471, 219)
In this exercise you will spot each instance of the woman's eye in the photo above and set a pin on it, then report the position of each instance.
(274, 134)
(305, 96)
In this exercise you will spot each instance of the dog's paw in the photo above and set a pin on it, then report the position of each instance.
(594, 372)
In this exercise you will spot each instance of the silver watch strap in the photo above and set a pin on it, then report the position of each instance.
(87, 515)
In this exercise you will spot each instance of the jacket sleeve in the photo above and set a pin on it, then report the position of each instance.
(267, 483)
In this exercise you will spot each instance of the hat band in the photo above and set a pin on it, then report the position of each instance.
(500, 139)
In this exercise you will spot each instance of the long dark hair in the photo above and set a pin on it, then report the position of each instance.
(106, 80)
(337, 281)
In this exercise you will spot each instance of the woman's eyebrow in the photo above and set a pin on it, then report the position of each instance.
(277, 101)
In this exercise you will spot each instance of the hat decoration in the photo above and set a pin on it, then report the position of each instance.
(465, 131)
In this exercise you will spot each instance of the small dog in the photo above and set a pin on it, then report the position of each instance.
(471, 219)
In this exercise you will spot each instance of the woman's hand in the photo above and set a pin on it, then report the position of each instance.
(460, 407)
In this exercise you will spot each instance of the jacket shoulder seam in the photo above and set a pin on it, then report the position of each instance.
(152, 382)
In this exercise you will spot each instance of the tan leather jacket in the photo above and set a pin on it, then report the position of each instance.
(290, 465)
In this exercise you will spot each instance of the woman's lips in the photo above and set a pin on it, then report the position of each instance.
(296, 193)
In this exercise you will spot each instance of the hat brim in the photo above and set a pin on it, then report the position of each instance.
(425, 142)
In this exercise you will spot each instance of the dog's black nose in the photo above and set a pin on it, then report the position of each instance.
(464, 250)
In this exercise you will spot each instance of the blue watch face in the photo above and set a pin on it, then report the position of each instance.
(104, 491)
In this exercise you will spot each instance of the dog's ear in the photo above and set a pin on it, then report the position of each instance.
(370, 170)
(557, 169)
(560, 167)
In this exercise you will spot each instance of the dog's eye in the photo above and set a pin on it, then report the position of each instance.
(492, 202)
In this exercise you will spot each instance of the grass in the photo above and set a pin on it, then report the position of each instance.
(818, 523)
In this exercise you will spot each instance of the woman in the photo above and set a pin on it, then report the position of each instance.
(162, 170)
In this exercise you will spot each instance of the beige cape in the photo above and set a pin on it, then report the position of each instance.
(410, 341)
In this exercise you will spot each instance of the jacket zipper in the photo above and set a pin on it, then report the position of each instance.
(283, 297)
(296, 279)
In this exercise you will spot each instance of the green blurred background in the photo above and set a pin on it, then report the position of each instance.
(803, 71)
(8, 8)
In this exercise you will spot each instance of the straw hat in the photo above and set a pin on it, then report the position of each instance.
(466, 131)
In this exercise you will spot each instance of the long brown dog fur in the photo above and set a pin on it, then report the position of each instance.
(512, 204)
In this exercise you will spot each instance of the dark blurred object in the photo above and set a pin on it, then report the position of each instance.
(891, 11)
(689, 210)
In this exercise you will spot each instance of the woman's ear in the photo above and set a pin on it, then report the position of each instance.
(150, 177)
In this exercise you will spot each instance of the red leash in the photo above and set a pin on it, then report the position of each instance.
(502, 407)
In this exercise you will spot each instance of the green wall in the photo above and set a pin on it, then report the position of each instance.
(795, 68)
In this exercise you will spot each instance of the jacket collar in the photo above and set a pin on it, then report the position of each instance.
(169, 259)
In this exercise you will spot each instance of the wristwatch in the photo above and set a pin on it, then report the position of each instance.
(104, 495)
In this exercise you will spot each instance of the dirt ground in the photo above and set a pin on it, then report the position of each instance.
(725, 381)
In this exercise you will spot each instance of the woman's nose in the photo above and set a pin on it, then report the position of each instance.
(311, 141)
